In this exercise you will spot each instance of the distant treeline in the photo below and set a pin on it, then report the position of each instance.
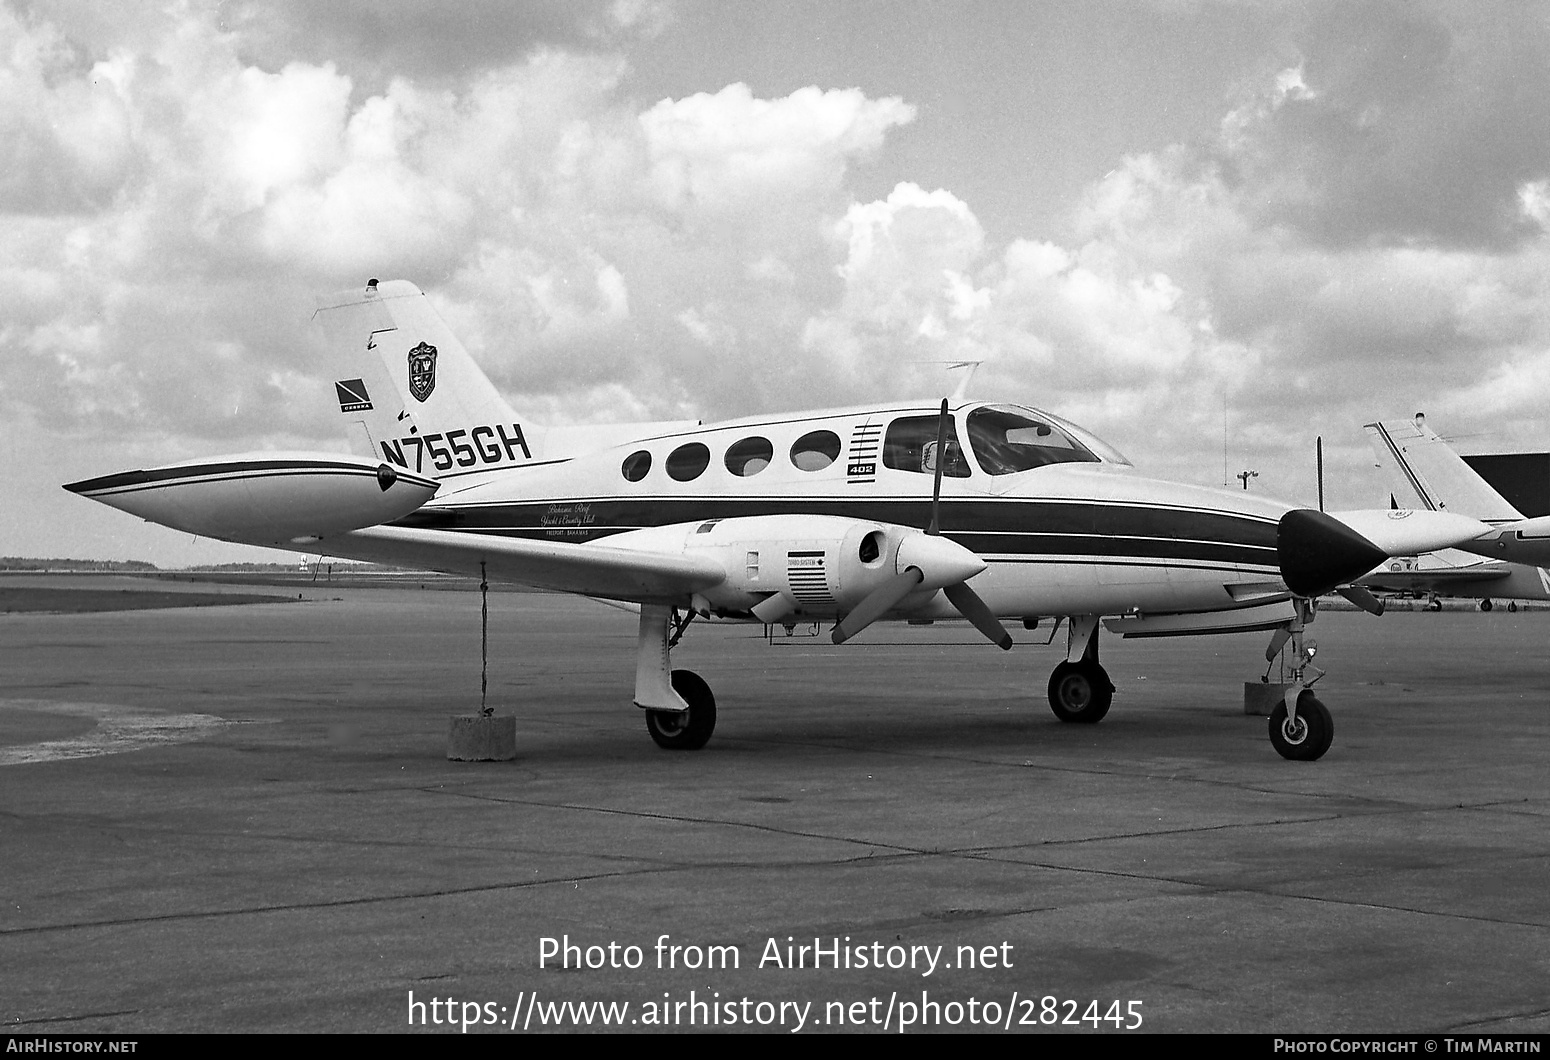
(26, 563)
(344, 566)
(140, 566)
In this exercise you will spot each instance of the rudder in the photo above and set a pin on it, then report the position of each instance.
(422, 402)
(1425, 468)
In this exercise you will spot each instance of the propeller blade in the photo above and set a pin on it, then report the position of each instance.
(970, 606)
(774, 608)
(878, 603)
(1363, 599)
(941, 461)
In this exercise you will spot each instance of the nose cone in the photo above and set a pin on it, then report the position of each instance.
(941, 561)
(1317, 552)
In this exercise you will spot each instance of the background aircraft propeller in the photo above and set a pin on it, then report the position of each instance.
(950, 566)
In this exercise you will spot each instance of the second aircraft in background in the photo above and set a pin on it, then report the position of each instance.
(1507, 562)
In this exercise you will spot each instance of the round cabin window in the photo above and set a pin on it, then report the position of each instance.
(636, 465)
(688, 461)
(749, 456)
(815, 450)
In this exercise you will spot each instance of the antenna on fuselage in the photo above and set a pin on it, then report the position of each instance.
(970, 366)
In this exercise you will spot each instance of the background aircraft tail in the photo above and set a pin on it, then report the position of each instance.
(1425, 472)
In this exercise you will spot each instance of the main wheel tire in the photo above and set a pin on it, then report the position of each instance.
(1080, 692)
(1434, 605)
(1486, 605)
(1306, 739)
(685, 730)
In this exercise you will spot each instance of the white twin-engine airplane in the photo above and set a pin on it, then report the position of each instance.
(987, 511)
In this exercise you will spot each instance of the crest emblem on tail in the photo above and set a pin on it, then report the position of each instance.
(422, 371)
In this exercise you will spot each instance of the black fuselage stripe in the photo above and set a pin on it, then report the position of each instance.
(1095, 518)
(1074, 529)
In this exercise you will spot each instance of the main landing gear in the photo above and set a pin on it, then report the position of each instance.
(680, 709)
(685, 730)
(1080, 689)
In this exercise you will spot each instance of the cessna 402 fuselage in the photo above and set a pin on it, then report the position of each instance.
(986, 511)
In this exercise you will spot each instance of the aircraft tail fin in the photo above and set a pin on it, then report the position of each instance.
(1427, 473)
(415, 398)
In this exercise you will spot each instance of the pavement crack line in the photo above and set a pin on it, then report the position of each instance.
(1053, 767)
(896, 851)
(980, 854)
(45, 1020)
(1537, 1014)
(955, 851)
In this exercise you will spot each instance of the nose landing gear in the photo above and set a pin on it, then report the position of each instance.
(1301, 728)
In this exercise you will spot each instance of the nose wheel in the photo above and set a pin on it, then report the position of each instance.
(1306, 736)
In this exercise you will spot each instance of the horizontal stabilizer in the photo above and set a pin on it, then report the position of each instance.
(264, 498)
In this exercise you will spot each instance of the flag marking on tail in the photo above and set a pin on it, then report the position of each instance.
(352, 395)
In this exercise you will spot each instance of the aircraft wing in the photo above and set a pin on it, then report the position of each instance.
(591, 570)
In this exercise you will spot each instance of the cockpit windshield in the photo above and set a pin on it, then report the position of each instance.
(1007, 439)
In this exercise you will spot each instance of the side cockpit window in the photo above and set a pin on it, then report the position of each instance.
(1007, 439)
(910, 445)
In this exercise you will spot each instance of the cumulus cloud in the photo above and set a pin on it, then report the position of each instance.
(169, 235)
(1368, 225)
(1365, 231)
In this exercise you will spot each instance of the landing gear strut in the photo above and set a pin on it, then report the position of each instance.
(680, 709)
(1080, 689)
(1300, 726)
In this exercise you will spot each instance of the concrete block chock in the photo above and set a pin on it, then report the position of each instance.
(1261, 698)
(482, 738)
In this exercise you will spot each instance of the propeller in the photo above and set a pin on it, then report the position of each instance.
(949, 564)
(970, 606)
(878, 603)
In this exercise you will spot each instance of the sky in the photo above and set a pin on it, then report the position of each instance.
(1211, 232)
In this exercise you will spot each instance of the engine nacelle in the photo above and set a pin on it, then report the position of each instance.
(265, 499)
(816, 565)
